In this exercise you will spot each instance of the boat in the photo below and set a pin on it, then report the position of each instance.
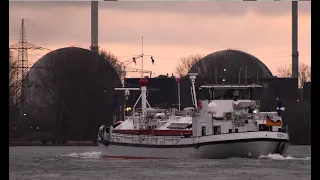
(225, 123)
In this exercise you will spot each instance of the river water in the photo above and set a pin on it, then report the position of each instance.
(84, 163)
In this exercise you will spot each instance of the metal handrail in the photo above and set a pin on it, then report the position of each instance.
(150, 139)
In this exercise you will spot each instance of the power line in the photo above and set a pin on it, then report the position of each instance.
(23, 66)
(62, 36)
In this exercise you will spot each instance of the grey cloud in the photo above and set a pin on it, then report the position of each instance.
(210, 8)
(154, 35)
(198, 8)
(63, 23)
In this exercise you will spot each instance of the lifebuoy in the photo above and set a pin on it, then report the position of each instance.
(228, 116)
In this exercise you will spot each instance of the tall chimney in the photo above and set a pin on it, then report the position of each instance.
(94, 27)
(295, 53)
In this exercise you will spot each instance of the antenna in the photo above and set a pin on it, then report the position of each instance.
(124, 64)
(192, 77)
(142, 56)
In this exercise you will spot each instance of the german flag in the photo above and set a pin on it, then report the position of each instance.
(270, 122)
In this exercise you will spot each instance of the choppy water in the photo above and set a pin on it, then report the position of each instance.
(84, 163)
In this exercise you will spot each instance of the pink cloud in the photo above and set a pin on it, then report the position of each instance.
(169, 35)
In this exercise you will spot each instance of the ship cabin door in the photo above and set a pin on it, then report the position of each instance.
(216, 130)
(203, 131)
(107, 131)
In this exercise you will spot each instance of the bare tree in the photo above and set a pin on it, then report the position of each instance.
(113, 60)
(13, 83)
(14, 87)
(50, 90)
(284, 71)
(186, 63)
(303, 76)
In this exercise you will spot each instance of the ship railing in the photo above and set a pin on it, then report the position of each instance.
(176, 112)
(263, 115)
(242, 117)
(145, 139)
(180, 113)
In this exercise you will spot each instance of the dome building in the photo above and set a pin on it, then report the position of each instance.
(231, 66)
(71, 93)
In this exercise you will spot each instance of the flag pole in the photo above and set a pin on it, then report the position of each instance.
(178, 82)
(179, 93)
(142, 56)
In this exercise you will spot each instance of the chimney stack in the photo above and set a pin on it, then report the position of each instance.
(295, 53)
(94, 27)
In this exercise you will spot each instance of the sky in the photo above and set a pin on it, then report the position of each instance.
(170, 30)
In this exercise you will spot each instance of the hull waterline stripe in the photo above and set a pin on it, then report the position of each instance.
(198, 144)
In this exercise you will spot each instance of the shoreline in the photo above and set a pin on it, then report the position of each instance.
(16, 145)
(12, 144)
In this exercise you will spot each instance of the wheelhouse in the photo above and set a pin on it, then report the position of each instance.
(227, 92)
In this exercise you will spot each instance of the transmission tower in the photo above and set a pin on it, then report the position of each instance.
(23, 66)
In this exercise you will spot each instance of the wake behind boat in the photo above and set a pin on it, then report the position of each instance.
(226, 123)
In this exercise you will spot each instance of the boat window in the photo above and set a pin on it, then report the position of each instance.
(230, 130)
(226, 94)
(236, 130)
(262, 127)
(233, 93)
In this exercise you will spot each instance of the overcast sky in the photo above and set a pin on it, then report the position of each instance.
(171, 30)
